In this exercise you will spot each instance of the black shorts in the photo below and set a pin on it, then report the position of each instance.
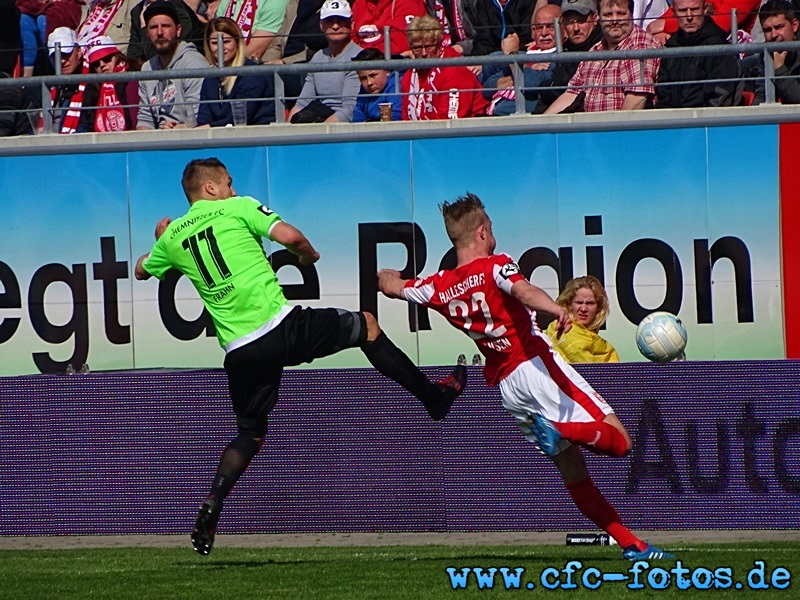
(254, 370)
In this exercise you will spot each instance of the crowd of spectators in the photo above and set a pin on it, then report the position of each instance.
(79, 37)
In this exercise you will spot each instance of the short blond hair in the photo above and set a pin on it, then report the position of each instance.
(424, 29)
(462, 217)
(589, 282)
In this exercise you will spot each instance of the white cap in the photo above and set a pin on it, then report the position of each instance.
(99, 47)
(64, 36)
(335, 8)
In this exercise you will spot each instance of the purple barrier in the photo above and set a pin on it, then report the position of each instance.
(716, 446)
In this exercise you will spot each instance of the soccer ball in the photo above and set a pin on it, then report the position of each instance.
(661, 337)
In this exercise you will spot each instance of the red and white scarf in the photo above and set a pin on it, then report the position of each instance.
(100, 15)
(456, 33)
(245, 17)
(420, 94)
(72, 118)
(110, 114)
(510, 93)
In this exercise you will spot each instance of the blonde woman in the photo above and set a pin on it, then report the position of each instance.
(587, 304)
(217, 93)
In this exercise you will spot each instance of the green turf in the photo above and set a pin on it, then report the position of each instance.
(397, 572)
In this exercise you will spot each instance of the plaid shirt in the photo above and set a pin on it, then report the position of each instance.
(606, 82)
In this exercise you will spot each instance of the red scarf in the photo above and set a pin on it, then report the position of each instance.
(245, 18)
(98, 19)
(72, 118)
(110, 114)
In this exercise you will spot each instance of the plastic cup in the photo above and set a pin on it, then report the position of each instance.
(239, 109)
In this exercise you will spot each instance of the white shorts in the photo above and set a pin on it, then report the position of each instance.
(548, 386)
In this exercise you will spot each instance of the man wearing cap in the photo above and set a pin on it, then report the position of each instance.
(68, 113)
(330, 97)
(580, 26)
(169, 103)
(623, 84)
(697, 81)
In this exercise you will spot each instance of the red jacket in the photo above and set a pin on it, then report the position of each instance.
(442, 93)
(371, 16)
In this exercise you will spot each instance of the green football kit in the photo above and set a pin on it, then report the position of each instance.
(218, 246)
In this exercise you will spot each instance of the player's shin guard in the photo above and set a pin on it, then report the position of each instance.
(394, 364)
(596, 436)
(596, 508)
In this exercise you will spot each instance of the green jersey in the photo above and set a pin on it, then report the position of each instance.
(218, 246)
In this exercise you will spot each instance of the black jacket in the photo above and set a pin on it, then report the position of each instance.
(490, 20)
(305, 33)
(15, 106)
(10, 40)
(787, 88)
(670, 93)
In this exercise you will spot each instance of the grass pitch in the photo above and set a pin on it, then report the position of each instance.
(395, 572)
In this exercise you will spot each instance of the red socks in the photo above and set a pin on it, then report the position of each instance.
(597, 436)
(596, 508)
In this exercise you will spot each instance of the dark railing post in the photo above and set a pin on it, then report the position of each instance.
(387, 43)
(280, 100)
(769, 78)
(220, 51)
(387, 54)
(557, 33)
(519, 97)
(47, 112)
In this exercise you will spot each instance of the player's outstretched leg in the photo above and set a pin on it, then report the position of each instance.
(591, 502)
(437, 398)
(600, 437)
(232, 464)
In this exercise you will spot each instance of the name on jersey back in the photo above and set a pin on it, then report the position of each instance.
(462, 287)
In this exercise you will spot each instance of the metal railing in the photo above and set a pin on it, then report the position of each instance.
(516, 61)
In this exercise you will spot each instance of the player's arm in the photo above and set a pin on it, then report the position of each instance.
(537, 299)
(140, 272)
(391, 284)
(295, 242)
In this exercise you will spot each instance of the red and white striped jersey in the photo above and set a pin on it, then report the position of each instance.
(476, 298)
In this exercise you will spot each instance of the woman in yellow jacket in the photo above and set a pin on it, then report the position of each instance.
(587, 303)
